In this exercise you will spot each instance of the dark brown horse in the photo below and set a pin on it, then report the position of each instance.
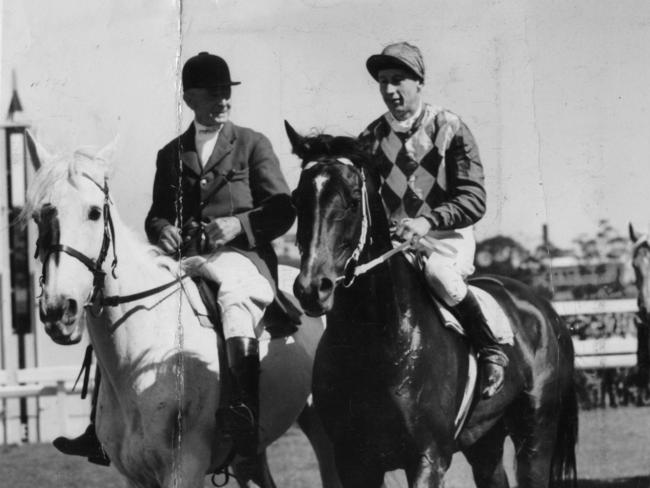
(388, 377)
(641, 265)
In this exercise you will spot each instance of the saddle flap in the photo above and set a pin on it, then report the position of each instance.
(281, 318)
(496, 317)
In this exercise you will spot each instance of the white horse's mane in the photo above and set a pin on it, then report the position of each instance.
(46, 185)
(62, 174)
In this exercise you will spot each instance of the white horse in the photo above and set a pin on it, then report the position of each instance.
(159, 363)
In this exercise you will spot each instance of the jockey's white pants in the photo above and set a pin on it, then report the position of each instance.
(244, 293)
(446, 274)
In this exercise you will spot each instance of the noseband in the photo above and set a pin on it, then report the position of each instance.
(95, 266)
(349, 270)
(97, 300)
(352, 268)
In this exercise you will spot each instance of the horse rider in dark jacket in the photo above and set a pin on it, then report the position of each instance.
(219, 198)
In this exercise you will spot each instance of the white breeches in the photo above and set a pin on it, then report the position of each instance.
(244, 293)
(445, 274)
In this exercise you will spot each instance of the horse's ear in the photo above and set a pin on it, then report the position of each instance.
(38, 154)
(633, 236)
(106, 155)
(108, 152)
(298, 144)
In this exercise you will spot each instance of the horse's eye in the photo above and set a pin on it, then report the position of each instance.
(94, 213)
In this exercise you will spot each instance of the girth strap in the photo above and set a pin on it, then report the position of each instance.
(114, 300)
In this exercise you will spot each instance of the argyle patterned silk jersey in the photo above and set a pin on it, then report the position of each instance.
(434, 170)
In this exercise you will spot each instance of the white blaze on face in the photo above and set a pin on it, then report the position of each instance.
(319, 184)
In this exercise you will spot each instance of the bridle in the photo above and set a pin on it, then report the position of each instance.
(352, 269)
(97, 301)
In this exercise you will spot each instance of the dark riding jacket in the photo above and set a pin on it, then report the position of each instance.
(242, 178)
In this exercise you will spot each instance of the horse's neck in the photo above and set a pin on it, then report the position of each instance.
(390, 297)
(149, 327)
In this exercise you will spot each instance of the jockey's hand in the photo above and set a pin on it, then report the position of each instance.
(170, 239)
(412, 230)
(222, 230)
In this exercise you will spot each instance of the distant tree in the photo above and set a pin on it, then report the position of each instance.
(502, 255)
(607, 243)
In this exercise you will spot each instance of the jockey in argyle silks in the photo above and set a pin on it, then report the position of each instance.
(432, 187)
(233, 201)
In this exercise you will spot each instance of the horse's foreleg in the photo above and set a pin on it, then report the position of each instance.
(486, 458)
(430, 468)
(253, 472)
(189, 462)
(534, 447)
(310, 423)
(356, 469)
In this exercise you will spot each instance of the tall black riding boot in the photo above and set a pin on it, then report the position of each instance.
(87, 444)
(491, 356)
(242, 416)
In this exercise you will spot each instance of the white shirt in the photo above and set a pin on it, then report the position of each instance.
(205, 139)
(403, 125)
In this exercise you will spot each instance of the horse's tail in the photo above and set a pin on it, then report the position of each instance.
(563, 464)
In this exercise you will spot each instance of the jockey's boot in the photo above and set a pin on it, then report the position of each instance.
(242, 415)
(87, 444)
(491, 356)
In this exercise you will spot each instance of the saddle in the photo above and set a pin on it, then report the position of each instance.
(281, 318)
(497, 321)
(495, 316)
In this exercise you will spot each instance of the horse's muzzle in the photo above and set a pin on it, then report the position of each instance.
(60, 318)
(316, 295)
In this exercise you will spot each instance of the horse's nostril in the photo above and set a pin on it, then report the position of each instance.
(50, 313)
(326, 286)
(71, 307)
(62, 309)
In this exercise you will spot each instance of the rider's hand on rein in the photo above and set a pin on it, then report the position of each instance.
(412, 230)
(170, 239)
(222, 230)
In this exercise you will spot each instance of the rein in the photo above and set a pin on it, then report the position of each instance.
(352, 269)
(97, 301)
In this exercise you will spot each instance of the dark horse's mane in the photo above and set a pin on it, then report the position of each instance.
(323, 146)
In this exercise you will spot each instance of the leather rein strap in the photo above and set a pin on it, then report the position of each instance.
(352, 268)
(97, 299)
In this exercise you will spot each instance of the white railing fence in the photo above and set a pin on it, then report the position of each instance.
(610, 352)
(54, 384)
(51, 395)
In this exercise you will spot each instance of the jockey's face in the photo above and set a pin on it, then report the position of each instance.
(211, 107)
(401, 92)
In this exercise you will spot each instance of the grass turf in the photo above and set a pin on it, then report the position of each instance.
(613, 452)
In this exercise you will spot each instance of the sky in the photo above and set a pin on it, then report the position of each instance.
(556, 93)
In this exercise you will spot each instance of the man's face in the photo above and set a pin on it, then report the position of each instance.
(211, 107)
(401, 92)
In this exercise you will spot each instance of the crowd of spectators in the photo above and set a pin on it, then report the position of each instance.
(602, 326)
(612, 387)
